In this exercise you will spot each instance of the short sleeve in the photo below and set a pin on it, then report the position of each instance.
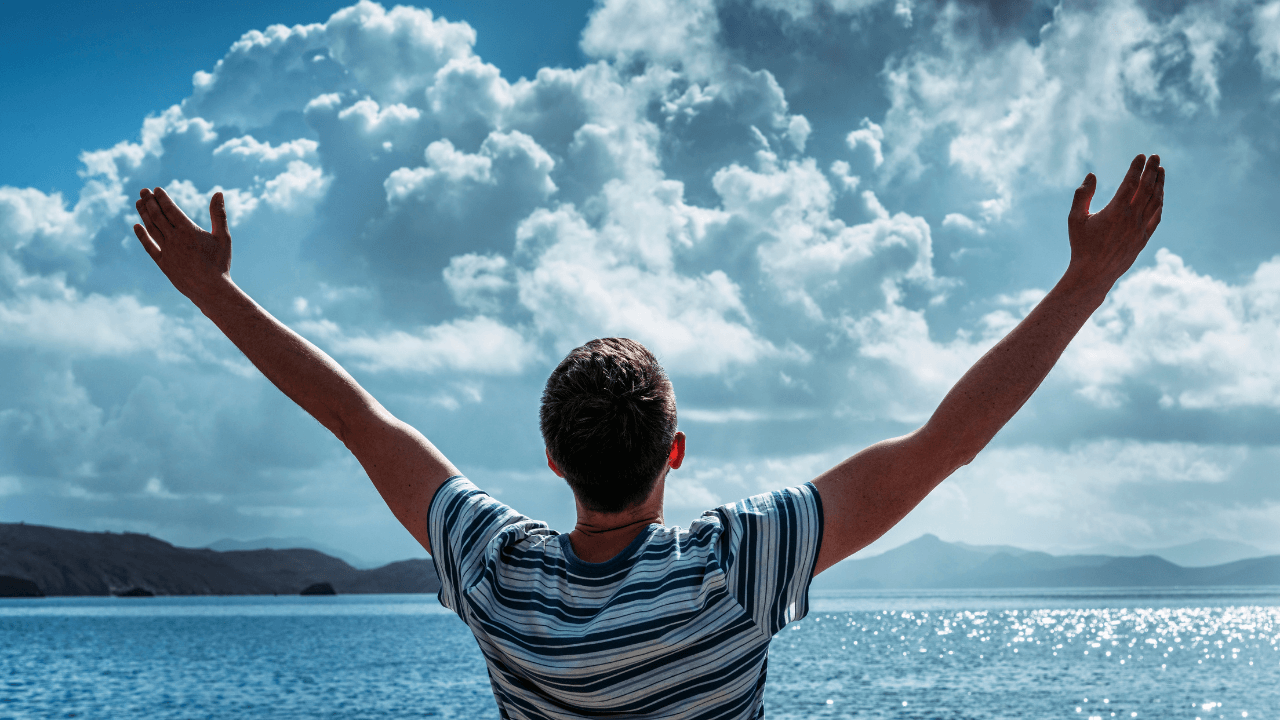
(769, 549)
(462, 521)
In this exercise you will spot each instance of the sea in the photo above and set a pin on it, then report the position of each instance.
(1184, 653)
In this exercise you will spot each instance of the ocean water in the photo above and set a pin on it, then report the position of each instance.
(1191, 653)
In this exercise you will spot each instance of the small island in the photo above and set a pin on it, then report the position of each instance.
(320, 588)
(15, 587)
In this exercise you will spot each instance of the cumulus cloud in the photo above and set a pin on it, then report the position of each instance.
(447, 231)
(1202, 342)
(617, 280)
(872, 136)
(93, 325)
(803, 248)
(1089, 492)
(677, 32)
(923, 368)
(1036, 108)
(475, 345)
(40, 222)
(476, 281)
(1266, 36)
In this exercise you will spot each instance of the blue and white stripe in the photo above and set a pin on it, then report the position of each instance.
(676, 626)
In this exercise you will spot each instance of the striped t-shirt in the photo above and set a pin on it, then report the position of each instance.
(677, 625)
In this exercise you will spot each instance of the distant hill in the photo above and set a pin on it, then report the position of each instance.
(70, 562)
(1201, 553)
(929, 562)
(289, 543)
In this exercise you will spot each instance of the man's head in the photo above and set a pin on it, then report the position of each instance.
(608, 419)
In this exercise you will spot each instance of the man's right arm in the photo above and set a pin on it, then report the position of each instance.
(403, 465)
(871, 491)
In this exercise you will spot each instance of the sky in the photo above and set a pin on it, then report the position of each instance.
(817, 214)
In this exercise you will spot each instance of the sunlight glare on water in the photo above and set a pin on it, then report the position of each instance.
(867, 655)
(1106, 662)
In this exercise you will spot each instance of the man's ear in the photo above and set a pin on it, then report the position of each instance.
(556, 469)
(676, 458)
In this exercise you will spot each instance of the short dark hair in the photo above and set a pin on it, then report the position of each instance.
(608, 418)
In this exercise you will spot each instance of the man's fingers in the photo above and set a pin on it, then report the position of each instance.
(1152, 192)
(171, 209)
(1155, 207)
(1151, 226)
(218, 214)
(1084, 194)
(1150, 174)
(1130, 183)
(151, 212)
(151, 218)
(147, 243)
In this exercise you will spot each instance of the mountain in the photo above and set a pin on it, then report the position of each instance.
(275, 543)
(1201, 553)
(929, 562)
(71, 562)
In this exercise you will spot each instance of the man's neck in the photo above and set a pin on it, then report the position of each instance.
(599, 537)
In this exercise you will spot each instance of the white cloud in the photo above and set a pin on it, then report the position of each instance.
(619, 281)
(469, 98)
(238, 92)
(475, 281)
(29, 216)
(963, 222)
(450, 177)
(395, 54)
(1073, 490)
(704, 482)
(90, 325)
(297, 189)
(672, 32)
(477, 345)
(1017, 110)
(802, 247)
(1201, 342)
(1265, 34)
(870, 135)
(261, 152)
(425, 216)
(370, 117)
(923, 369)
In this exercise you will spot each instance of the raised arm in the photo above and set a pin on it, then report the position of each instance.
(403, 465)
(870, 492)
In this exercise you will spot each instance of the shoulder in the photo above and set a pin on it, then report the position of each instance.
(790, 518)
(800, 502)
(458, 497)
(464, 519)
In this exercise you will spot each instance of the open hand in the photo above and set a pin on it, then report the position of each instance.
(191, 258)
(1104, 244)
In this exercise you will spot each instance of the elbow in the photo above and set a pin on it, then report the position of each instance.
(951, 451)
(340, 430)
(343, 425)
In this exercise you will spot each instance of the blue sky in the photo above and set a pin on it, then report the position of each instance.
(817, 214)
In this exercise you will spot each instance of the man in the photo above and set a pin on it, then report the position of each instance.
(625, 616)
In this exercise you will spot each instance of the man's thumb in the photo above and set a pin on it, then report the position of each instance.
(1084, 194)
(218, 214)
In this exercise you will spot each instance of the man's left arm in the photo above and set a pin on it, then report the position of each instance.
(871, 491)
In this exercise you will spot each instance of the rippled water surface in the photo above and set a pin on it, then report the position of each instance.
(1170, 654)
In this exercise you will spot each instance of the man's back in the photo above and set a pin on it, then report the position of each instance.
(676, 625)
